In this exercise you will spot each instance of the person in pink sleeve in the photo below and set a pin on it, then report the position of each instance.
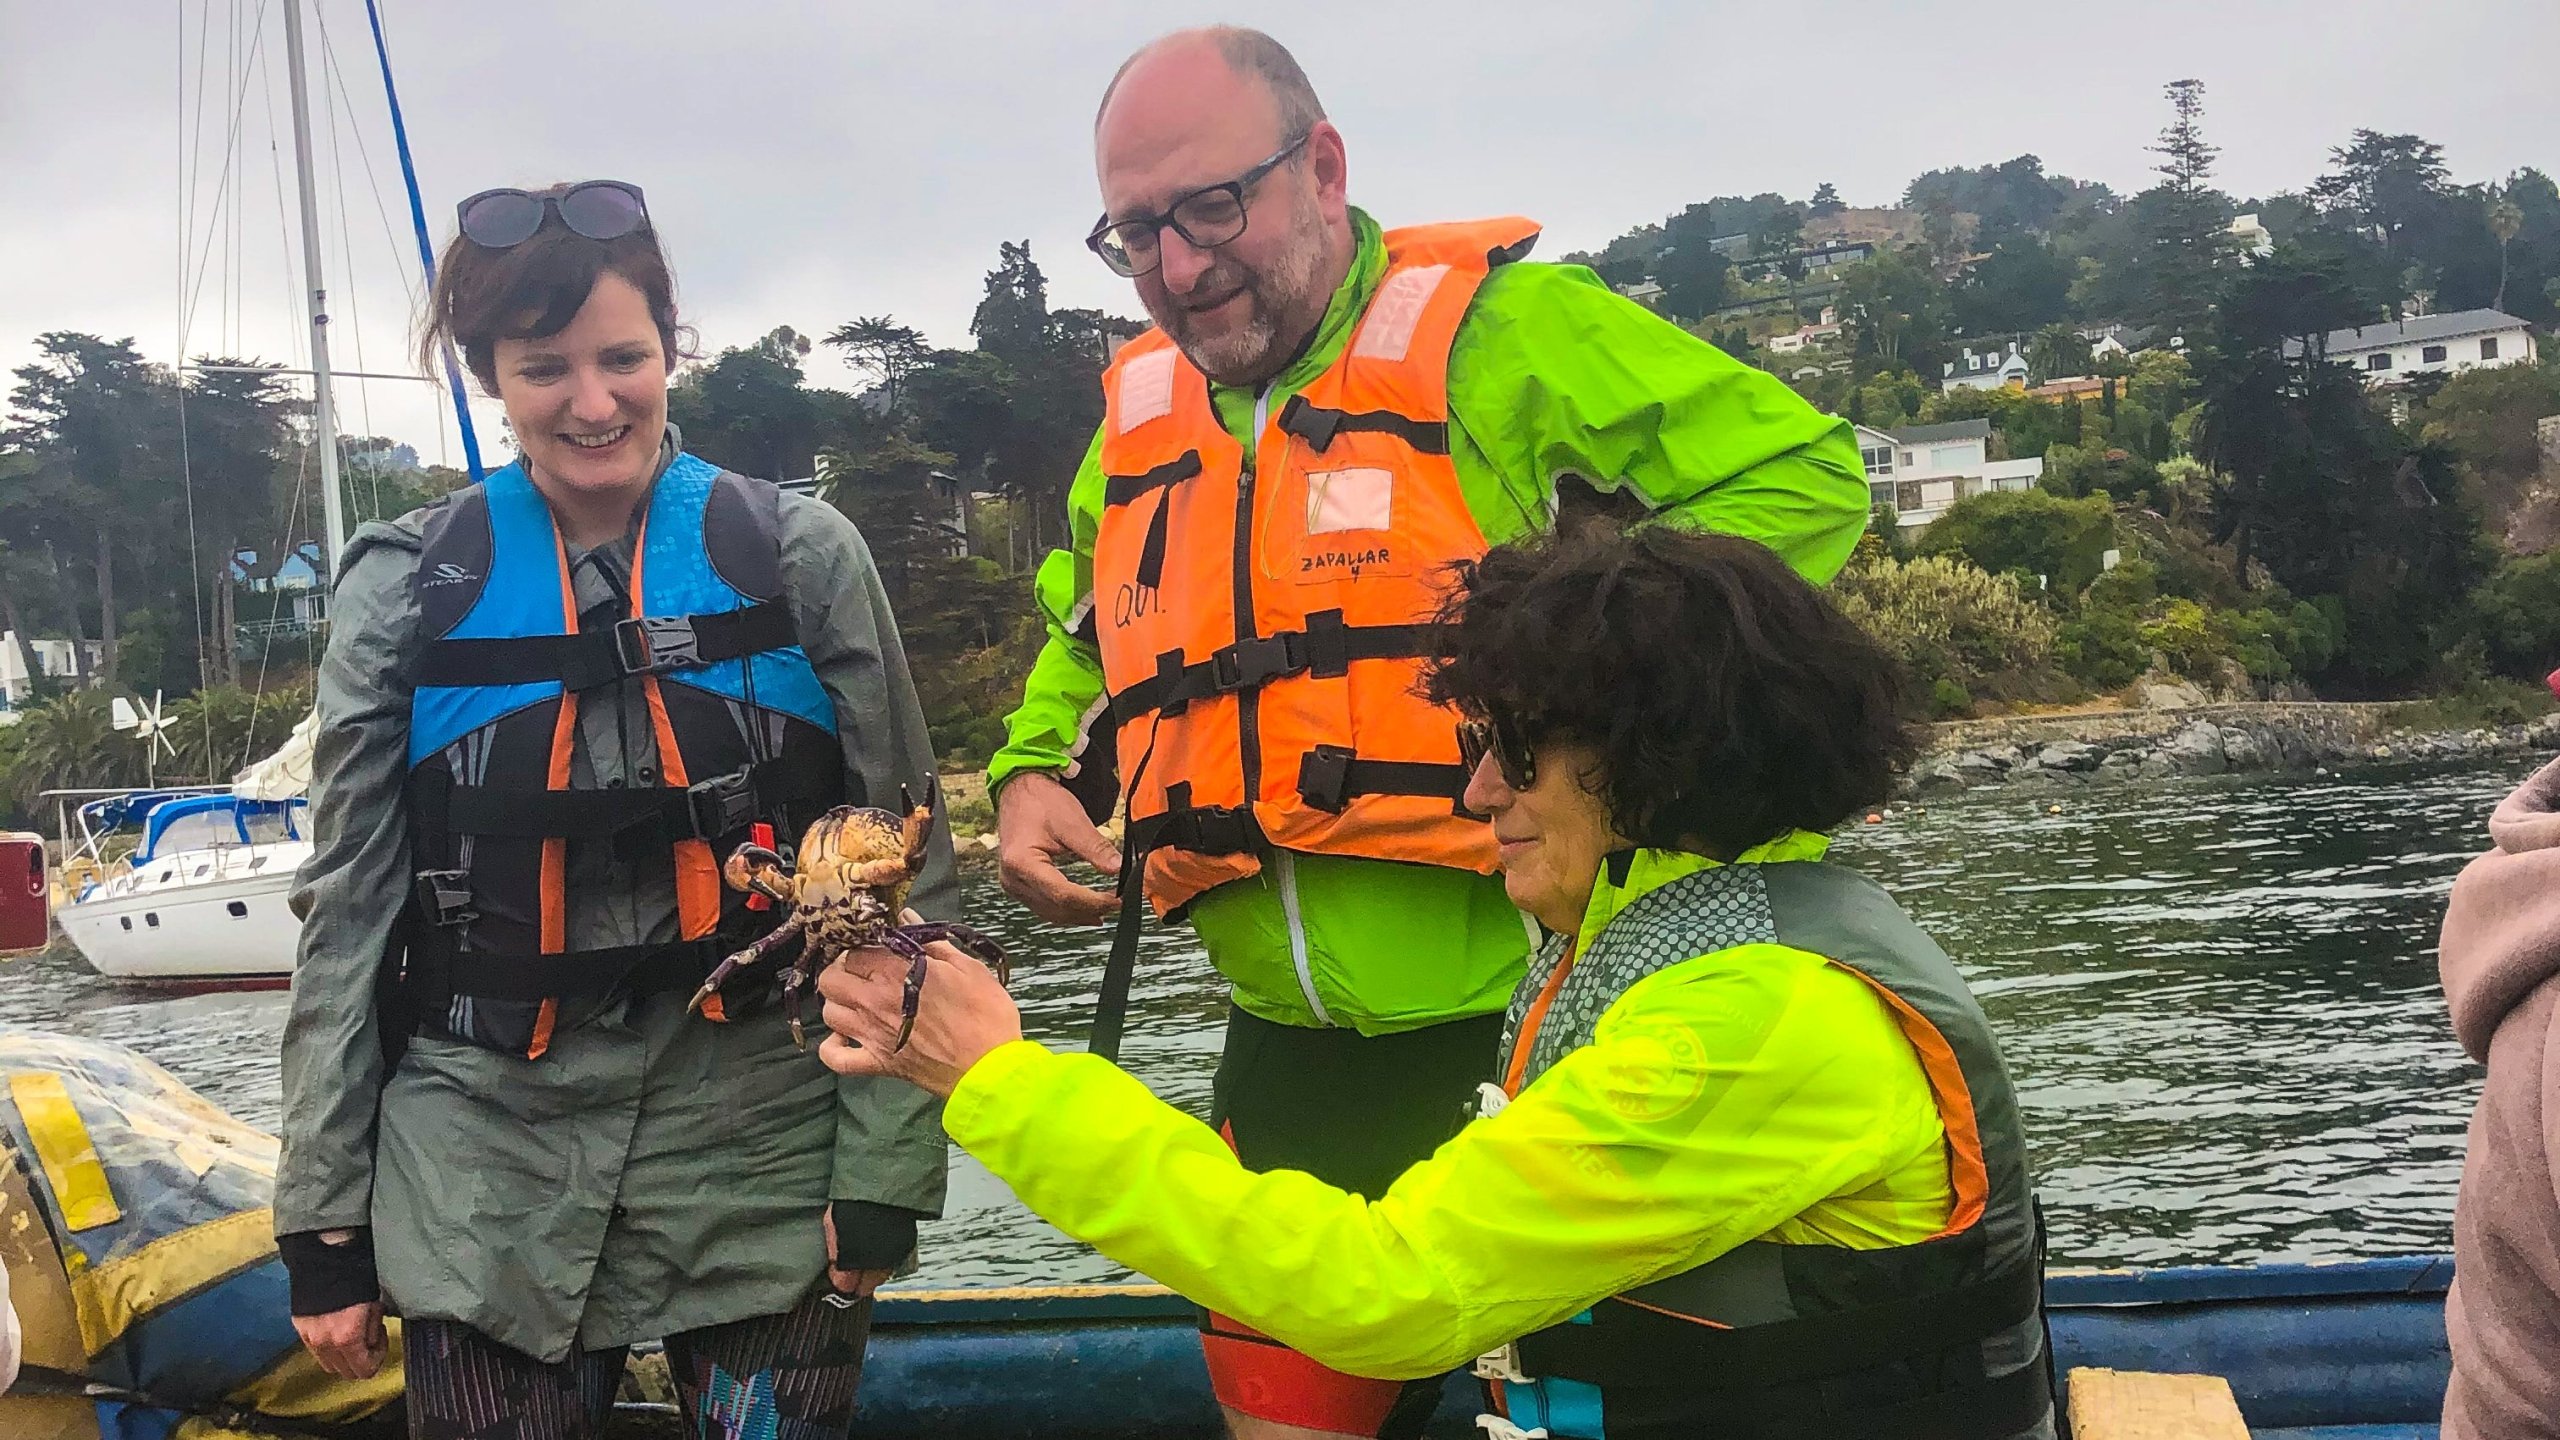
(2500, 952)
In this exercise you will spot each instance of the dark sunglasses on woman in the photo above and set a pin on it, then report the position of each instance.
(598, 209)
(1495, 735)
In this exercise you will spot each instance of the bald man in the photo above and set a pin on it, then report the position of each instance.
(1325, 419)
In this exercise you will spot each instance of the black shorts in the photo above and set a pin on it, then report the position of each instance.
(1352, 1110)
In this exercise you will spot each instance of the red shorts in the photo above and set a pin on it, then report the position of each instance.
(1354, 1111)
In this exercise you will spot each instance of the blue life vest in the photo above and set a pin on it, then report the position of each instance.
(746, 735)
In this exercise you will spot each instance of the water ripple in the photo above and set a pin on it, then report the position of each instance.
(2218, 999)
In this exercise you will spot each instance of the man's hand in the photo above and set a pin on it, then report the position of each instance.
(858, 1283)
(349, 1343)
(962, 1014)
(1037, 824)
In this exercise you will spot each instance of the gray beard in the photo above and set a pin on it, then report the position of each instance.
(1251, 353)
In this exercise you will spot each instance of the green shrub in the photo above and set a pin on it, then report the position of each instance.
(1957, 630)
(2029, 531)
(2103, 648)
(2519, 611)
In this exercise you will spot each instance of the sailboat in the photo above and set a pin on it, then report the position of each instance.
(201, 898)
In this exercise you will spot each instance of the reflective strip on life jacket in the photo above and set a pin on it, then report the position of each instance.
(1263, 628)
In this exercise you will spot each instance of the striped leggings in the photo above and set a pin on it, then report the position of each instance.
(777, 1377)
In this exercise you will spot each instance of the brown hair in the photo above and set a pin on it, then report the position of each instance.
(534, 289)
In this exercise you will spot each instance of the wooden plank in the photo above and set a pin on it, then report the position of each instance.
(2135, 1405)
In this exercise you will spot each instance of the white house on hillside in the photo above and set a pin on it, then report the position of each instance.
(2431, 345)
(2252, 239)
(2002, 361)
(1923, 469)
(54, 657)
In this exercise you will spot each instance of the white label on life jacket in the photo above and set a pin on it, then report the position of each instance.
(1490, 1100)
(1356, 499)
(1146, 388)
(1386, 332)
(1496, 1427)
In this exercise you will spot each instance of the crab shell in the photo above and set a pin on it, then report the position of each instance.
(841, 849)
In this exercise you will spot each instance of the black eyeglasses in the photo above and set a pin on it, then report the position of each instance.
(1495, 735)
(598, 209)
(1207, 217)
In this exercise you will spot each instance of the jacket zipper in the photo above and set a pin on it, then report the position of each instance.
(1247, 712)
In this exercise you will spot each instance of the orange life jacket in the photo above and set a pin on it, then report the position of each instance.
(1262, 630)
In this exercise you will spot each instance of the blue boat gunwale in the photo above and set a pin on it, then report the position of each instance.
(2380, 1277)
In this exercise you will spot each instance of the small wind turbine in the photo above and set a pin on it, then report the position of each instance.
(150, 726)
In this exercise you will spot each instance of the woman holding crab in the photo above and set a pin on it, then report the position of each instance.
(551, 702)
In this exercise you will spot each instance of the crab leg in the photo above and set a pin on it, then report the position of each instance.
(755, 954)
(968, 940)
(794, 977)
(901, 943)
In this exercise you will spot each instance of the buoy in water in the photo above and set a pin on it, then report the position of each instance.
(1874, 819)
(2053, 809)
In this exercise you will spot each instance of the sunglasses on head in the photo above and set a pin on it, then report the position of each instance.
(1495, 735)
(598, 209)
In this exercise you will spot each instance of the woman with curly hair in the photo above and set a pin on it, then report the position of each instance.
(1753, 1166)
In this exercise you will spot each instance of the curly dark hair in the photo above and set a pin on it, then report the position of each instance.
(1727, 699)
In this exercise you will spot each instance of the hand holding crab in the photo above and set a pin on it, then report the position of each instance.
(847, 892)
(953, 1021)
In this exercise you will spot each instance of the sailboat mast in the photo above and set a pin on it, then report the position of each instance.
(324, 420)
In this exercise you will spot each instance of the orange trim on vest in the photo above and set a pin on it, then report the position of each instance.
(1966, 1170)
(1532, 1021)
(553, 883)
(697, 870)
(1359, 533)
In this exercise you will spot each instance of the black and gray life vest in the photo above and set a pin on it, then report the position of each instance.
(745, 736)
(1942, 1340)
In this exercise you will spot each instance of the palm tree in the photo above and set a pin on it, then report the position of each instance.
(2504, 221)
(2056, 351)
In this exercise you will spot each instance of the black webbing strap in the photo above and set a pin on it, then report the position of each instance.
(1331, 776)
(1121, 489)
(1202, 830)
(646, 969)
(1808, 1348)
(1325, 649)
(1318, 424)
(707, 810)
(641, 645)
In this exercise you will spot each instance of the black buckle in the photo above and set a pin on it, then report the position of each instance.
(444, 897)
(1311, 423)
(1248, 663)
(1324, 778)
(722, 805)
(644, 644)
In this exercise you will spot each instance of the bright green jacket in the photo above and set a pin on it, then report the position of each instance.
(1552, 374)
(1749, 1093)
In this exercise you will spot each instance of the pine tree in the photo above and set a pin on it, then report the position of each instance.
(2186, 221)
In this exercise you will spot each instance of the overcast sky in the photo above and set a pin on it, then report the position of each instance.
(813, 162)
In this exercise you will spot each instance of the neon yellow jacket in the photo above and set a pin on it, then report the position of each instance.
(1552, 374)
(1754, 1092)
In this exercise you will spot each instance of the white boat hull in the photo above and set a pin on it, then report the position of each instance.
(200, 917)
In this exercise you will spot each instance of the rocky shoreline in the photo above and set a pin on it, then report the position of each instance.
(2213, 740)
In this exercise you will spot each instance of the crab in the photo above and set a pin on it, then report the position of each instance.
(845, 893)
